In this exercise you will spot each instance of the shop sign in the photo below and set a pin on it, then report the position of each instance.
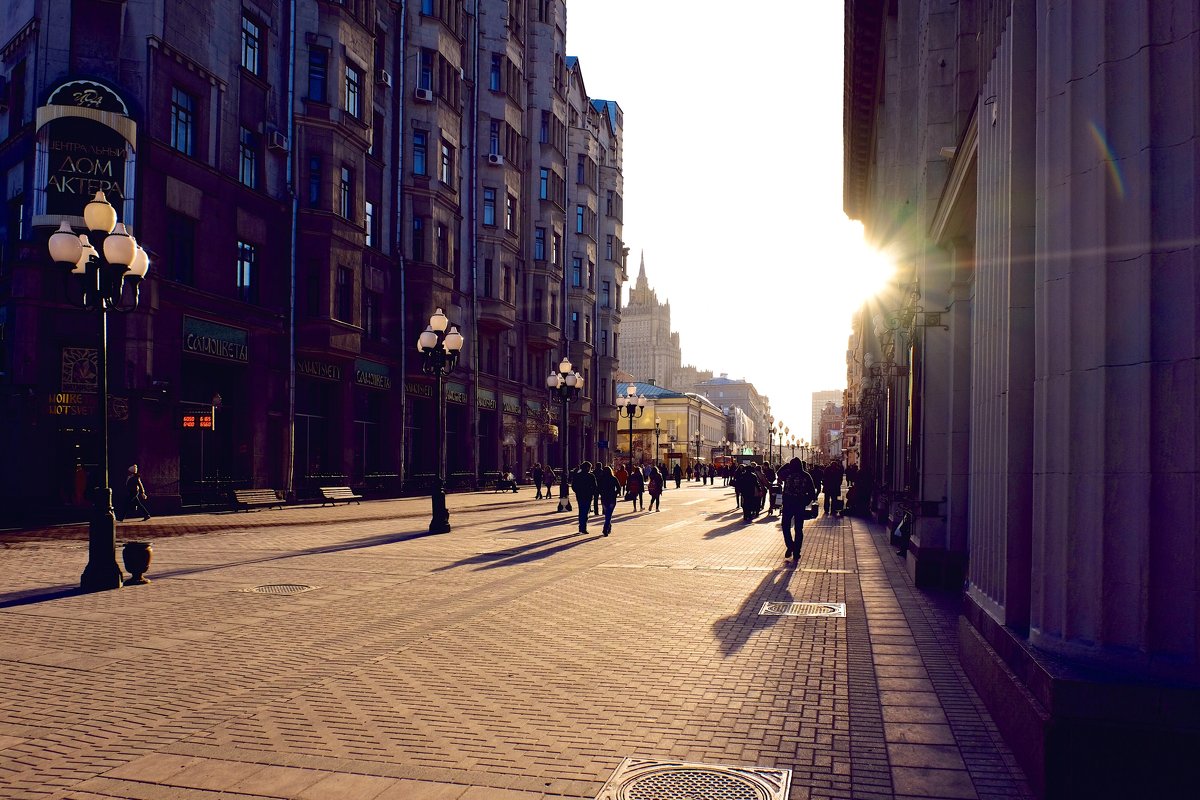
(215, 340)
(71, 404)
(485, 399)
(79, 369)
(89, 142)
(511, 404)
(312, 368)
(372, 375)
(456, 392)
(418, 389)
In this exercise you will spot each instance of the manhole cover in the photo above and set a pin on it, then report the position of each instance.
(641, 779)
(773, 609)
(281, 588)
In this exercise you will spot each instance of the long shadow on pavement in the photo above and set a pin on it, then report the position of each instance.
(536, 555)
(28, 597)
(736, 629)
(485, 559)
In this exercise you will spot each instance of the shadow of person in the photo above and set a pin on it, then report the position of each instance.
(733, 631)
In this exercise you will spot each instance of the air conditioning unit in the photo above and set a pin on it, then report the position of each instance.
(424, 95)
(277, 141)
(495, 158)
(384, 78)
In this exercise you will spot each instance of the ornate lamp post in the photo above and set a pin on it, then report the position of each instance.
(439, 349)
(697, 439)
(784, 433)
(657, 433)
(631, 408)
(100, 276)
(566, 384)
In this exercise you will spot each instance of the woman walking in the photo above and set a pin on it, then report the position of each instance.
(635, 488)
(608, 487)
(655, 488)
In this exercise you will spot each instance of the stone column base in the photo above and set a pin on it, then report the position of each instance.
(934, 566)
(1082, 732)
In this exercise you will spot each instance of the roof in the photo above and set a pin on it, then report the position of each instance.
(653, 392)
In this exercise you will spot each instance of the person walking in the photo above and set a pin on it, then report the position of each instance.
(832, 480)
(798, 493)
(747, 485)
(550, 478)
(608, 488)
(622, 475)
(135, 495)
(635, 488)
(654, 487)
(678, 475)
(584, 485)
(537, 480)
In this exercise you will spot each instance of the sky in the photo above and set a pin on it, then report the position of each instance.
(733, 181)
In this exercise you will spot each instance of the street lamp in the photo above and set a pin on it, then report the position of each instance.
(102, 274)
(567, 384)
(786, 431)
(631, 408)
(439, 349)
(657, 433)
(697, 439)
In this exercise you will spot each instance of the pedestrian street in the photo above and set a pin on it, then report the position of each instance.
(347, 652)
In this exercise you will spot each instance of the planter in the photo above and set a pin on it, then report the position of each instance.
(136, 556)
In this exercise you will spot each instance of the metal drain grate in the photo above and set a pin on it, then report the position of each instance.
(774, 609)
(641, 779)
(281, 588)
(830, 571)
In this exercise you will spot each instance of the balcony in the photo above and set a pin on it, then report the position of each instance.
(496, 315)
(542, 335)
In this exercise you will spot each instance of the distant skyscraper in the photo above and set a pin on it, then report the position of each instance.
(819, 399)
(650, 349)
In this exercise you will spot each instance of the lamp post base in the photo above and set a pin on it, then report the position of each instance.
(441, 515)
(102, 571)
(564, 497)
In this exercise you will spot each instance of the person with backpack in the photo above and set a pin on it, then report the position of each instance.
(654, 487)
(607, 487)
(583, 483)
(798, 493)
(635, 487)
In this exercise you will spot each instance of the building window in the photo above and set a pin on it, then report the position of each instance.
(443, 245)
(248, 158)
(427, 7)
(489, 206)
(418, 239)
(510, 213)
(539, 244)
(603, 341)
(587, 327)
(181, 247)
(605, 294)
(544, 184)
(447, 173)
(425, 72)
(250, 45)
(608, 245)
(575, 326)
(314, 182)
(420, 138)
(510, 362)
(554, 308)
(538, 311)
(555, 247)
(580, 172)
(370, 223)
(246, 281)
(344, 294)
(487, 277)
(353, 91)
(494, 73)
(579, 219)
(544, 130)
(591, 277)
(494, 137)
(608, 203)
(576, 272)
(506, 285)
(372, 302)
(346, 193)
(183, 122)
(318, 70)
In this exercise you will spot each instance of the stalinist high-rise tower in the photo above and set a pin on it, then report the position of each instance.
(650, 349)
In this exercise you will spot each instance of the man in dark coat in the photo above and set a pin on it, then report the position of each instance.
(832, 480)
(798, 493)
(584, 484)
(537, 480)
(677, 473)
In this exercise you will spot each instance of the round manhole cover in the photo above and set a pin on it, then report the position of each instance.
(692, 784)
(283, 588)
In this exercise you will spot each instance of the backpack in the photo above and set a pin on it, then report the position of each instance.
(798, 484)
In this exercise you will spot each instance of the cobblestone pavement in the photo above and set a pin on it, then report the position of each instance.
(511, 659)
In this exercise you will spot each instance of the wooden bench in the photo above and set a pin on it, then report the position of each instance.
(504, 485)
(332, 494)
(251, 498)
